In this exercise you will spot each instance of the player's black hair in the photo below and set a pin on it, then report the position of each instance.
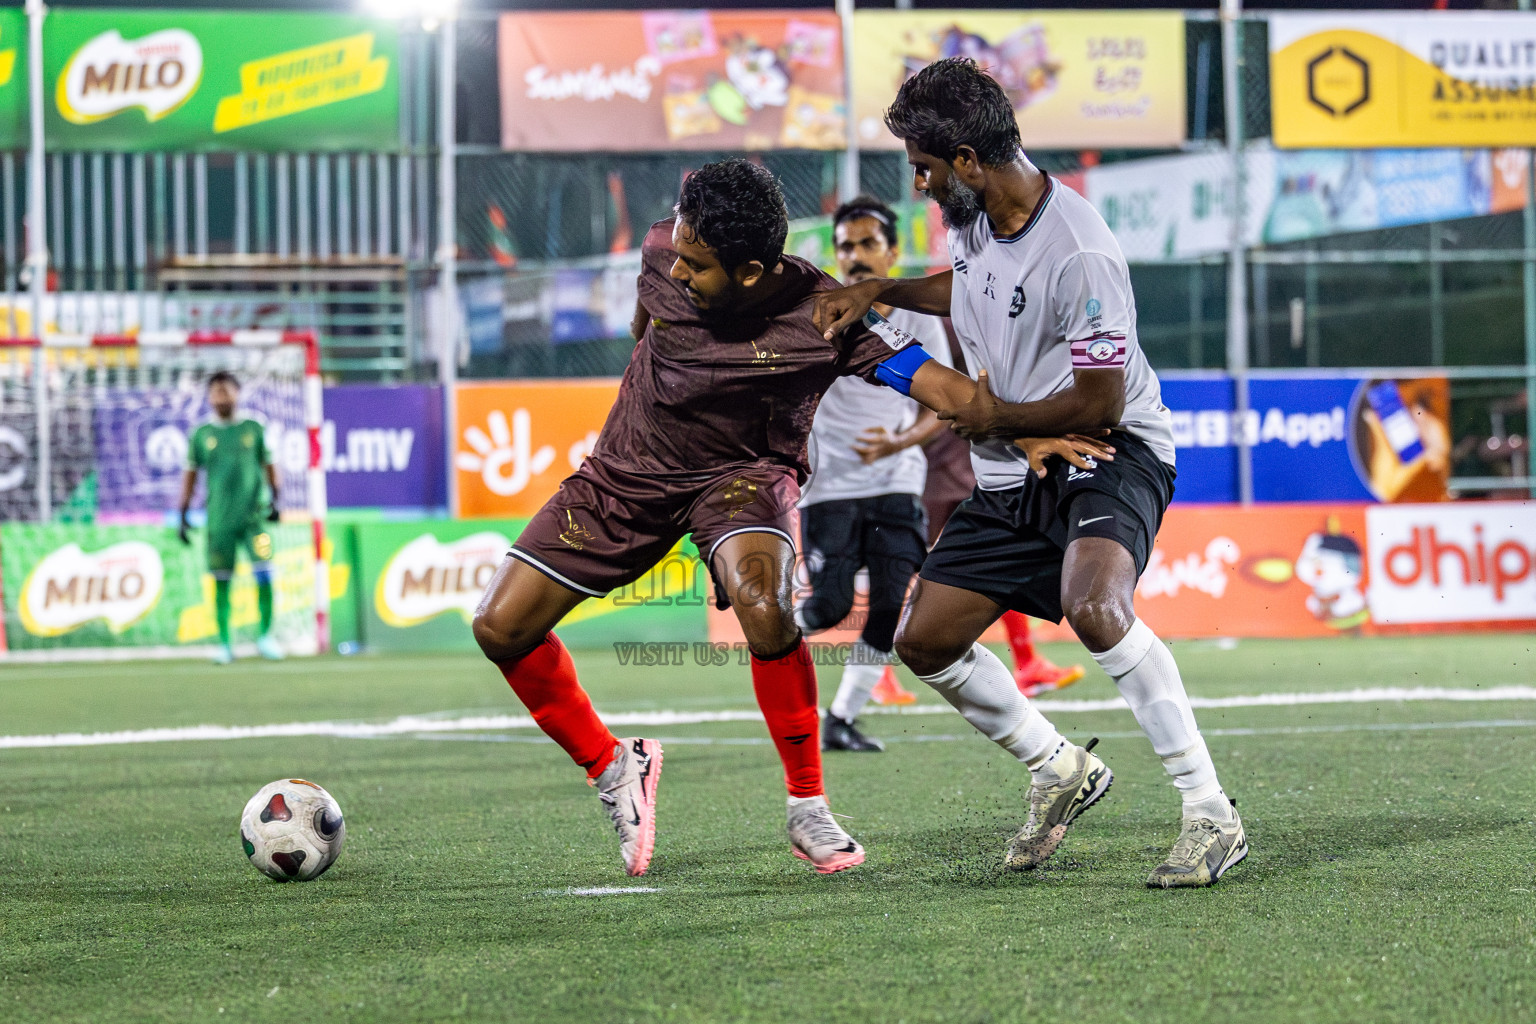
(223, 377)
(953, 103)
(737, 209)
(868, 206)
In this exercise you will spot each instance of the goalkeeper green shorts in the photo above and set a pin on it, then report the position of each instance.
(225, 543)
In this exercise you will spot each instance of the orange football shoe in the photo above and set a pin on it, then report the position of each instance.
(1038, 674)
(889, 690)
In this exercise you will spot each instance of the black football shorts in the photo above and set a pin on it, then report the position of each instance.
(1008, 545)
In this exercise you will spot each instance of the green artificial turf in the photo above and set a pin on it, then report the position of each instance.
(1393, 874)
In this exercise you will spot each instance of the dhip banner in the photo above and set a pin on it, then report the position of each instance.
(1313, 439)
(132, 80)
(1076, 79)
(1326, 570)
(383, 447)
(514, 441)
(670, 80)
(1430, 79)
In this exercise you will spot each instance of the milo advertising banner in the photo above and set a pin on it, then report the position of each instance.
(153, 80)
(419, 583)
(83, 587)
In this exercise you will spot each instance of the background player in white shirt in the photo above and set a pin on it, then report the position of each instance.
(862, 506)
(1040, 296)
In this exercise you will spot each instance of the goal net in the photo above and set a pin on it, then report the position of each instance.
(93, 445)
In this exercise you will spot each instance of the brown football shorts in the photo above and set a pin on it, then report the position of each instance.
(605, 528)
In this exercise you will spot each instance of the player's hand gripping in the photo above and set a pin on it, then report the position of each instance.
(837, 310)
(186, 538)
(977, 419)
(1077, 449)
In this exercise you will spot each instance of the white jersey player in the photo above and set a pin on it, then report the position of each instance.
(1040, 296)
(862, 507)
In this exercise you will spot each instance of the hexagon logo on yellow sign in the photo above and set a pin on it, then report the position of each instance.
(1361, 81)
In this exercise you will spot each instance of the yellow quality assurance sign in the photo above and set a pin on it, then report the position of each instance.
(1363, 81)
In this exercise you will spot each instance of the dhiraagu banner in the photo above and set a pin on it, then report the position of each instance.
(153, 80)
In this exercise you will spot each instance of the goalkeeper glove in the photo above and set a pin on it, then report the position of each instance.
(273, 515)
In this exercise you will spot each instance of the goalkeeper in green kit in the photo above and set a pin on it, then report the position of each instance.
(234, 453)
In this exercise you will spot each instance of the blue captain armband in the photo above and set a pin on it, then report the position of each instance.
(897, 371)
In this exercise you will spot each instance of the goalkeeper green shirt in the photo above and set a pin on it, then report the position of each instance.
(235, 457)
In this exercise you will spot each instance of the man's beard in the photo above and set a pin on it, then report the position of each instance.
(959, 206)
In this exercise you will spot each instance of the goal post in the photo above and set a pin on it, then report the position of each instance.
(93, 435)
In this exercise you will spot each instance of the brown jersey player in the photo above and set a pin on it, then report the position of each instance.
(707, 437)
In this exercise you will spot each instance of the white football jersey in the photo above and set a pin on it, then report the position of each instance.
(1030, 307)
(850, 407)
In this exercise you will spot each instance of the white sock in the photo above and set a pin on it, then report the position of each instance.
(864, 668)
(1144, 669)
(800, 801)
(983, 691)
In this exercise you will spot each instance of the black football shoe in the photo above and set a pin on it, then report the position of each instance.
(837, 734)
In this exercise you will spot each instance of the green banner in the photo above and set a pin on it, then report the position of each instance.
(13, 78)
(419, 583)
(200, 80)
(73, 585)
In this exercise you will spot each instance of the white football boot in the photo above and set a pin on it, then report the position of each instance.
(627, 788)
(816, 836)
(1055, 805)
(1204, 851)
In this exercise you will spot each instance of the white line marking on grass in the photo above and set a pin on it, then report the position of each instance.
(407, 725)
(601, 890)
(763, 741)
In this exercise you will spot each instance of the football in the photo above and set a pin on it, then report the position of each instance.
(292, 830)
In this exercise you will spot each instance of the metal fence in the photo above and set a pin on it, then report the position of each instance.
(348, 244)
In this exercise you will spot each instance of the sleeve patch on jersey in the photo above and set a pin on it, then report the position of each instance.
(894, 337)
(1099, 350)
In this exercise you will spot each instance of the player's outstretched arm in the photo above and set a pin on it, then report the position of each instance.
(942, 389)
(1094, 401)
(842, 307)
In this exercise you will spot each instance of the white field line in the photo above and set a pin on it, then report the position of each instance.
(761, 741)
(415, 724)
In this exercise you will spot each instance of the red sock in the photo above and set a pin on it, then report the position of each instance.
(1017, 626)
(544, 679)
(786, 693)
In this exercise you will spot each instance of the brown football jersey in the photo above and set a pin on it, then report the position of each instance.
(705, 392)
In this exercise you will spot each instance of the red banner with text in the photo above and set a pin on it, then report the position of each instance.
(667, 80)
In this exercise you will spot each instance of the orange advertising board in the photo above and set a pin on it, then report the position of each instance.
(1509, 190)
(1224, 571)
(514, 441)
